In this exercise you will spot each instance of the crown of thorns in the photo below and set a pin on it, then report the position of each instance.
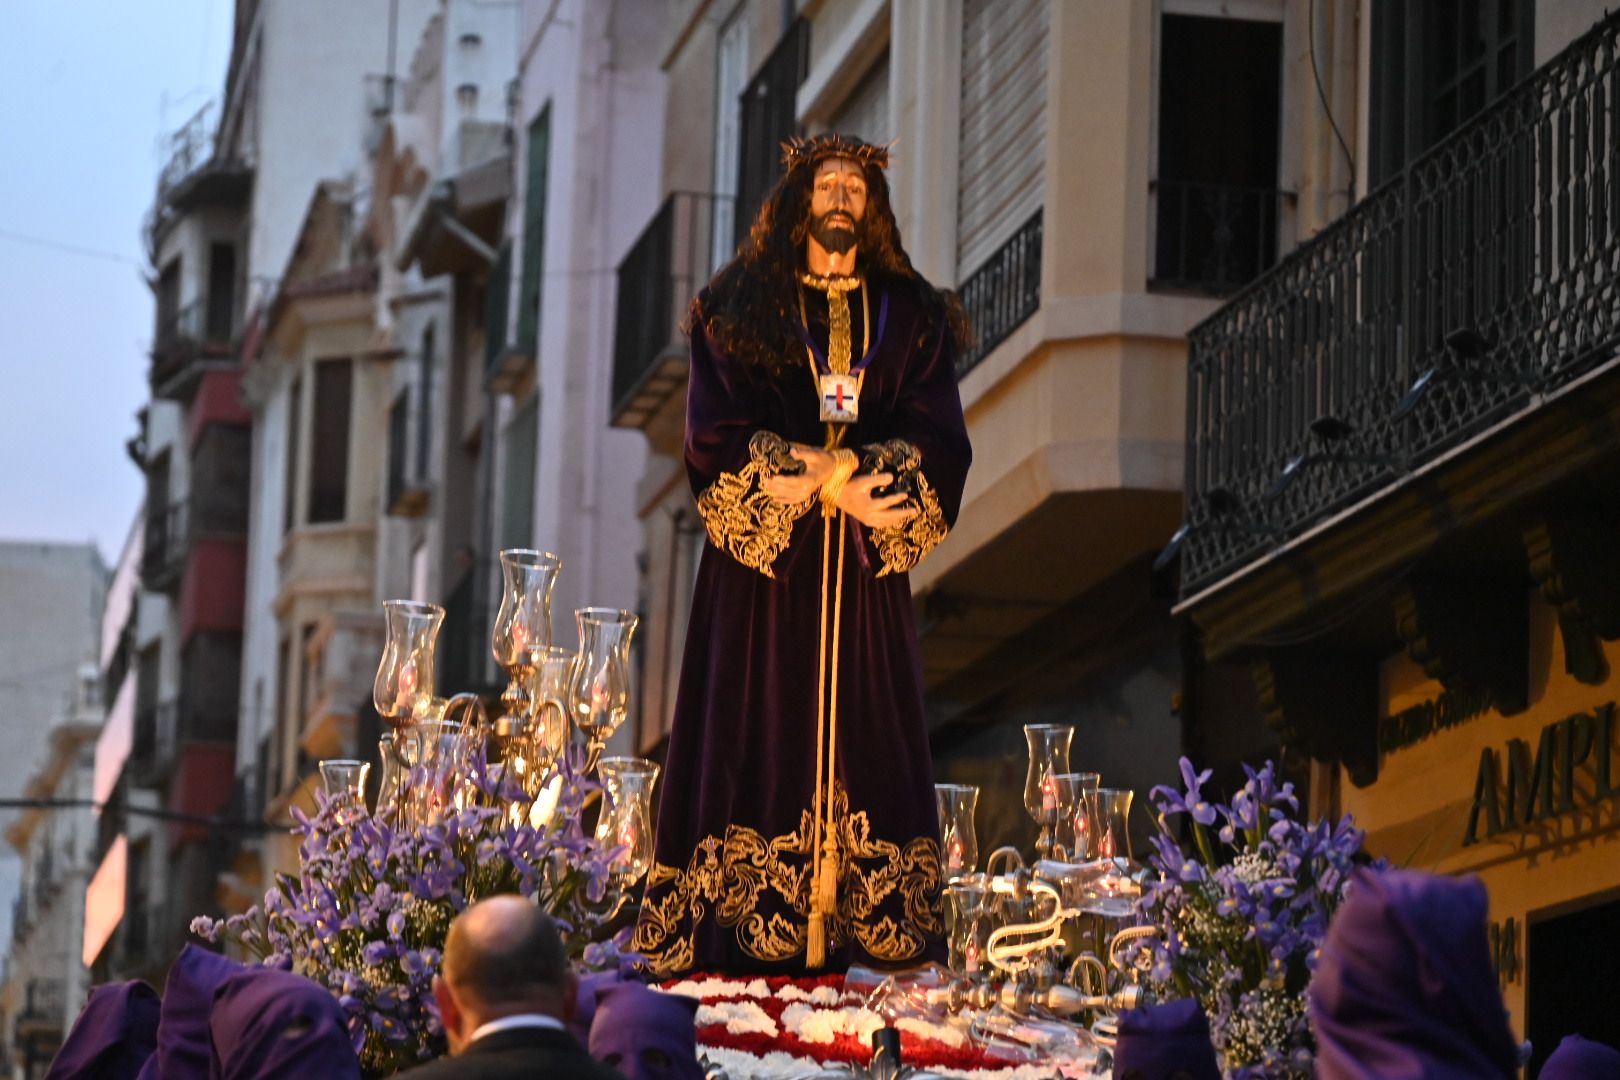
(811, 149)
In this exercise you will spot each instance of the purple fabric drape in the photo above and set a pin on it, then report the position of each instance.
(267, 1023)
(1582, 1059)
(730, 888)
(646, 1034)
(114, 1036)
(1165, 1042)
(1404, 989)
(183, 1051)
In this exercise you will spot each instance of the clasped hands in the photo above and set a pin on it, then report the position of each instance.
(857, 497)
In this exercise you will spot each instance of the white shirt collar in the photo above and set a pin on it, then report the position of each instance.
(517, 1020)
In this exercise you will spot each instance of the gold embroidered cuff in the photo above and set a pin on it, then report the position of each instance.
(741, 519)
(903, 546)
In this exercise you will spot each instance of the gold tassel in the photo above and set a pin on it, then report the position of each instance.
(827, 883)
(816, 946)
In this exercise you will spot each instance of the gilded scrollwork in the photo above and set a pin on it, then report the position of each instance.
(902, 546)
(741, 519)
(760, 889)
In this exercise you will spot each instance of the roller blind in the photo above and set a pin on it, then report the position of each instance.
(1003, 145)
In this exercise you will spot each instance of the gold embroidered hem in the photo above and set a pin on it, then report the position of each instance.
(903, 546)
(744, 521)
(759, 887)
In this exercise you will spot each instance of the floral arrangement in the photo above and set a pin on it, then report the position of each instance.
(367, 913)
(1244, 915)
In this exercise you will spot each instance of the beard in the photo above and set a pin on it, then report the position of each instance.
(837, 237)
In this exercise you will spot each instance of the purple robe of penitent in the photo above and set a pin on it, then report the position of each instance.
(799, 760)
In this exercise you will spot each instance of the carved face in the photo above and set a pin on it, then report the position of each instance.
(837, 204)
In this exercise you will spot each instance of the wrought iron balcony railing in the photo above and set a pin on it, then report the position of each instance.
(44, 1003)
(669, 263)
(1487, 272)
(189, 149)
(1002, 293)
(203, 329)
(206, 321)
(168, 535)
(1213, 238)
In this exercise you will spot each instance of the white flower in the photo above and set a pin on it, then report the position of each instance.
(821, 995)
(739, 1018)
(1252, 867)
(720, 989)
(814, 1025)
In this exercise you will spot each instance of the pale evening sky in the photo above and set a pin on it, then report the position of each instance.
(87, 90)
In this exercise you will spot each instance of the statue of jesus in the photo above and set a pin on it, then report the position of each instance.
(827, 450)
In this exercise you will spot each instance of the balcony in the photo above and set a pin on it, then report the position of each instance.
(1213, 239)
(167, 539)
(1461, 298)
(671, 260)
(151, 752)
(189, 340)
(44, 1009)
(162, 730)
(193, 176)
(1002, 293)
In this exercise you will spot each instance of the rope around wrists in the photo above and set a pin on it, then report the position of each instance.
(844, 465)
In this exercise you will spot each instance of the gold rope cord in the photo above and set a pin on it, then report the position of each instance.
(839, 337)
(824, 868)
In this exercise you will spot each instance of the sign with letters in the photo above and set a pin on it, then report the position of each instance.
(1544, 784)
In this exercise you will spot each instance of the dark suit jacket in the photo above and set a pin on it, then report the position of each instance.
(519, 1054)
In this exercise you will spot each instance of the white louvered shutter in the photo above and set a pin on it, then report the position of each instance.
(1003, 148)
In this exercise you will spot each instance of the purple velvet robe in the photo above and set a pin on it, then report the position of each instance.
(731, 886)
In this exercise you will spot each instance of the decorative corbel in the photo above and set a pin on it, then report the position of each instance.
(1575, 562)
(1323, 704)
(1472, 635)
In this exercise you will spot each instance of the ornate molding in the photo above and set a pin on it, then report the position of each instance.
(1323, 704)
(1469, 635)
(1575, 562)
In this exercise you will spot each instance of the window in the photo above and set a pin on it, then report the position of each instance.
(1220, 94)
(424, 404)
(221, 292)
(1435, 65)
(398, 441)
(517, 488)
(168, 304)
(329, 441)
(731, 71)
(768, 119)
(534, 233)
(289, 502)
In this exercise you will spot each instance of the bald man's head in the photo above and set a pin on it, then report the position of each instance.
(505, 955)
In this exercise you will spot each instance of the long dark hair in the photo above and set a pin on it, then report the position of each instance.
(750, 306)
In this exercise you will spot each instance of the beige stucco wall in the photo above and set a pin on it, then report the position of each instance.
(1416, 813)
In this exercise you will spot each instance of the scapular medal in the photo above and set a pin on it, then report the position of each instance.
(838, 389)
(840, 398)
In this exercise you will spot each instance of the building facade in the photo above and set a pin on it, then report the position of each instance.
(54, 596)
(1400, 500)
(589, 126)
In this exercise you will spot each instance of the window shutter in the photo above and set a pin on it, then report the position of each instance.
(1003, 145)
